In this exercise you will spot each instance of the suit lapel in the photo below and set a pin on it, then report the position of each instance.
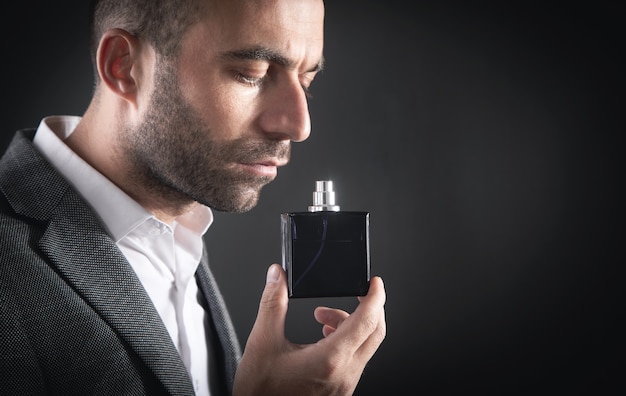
(88, 259)
(229, 351)
(91, 262)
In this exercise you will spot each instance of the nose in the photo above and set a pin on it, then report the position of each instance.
(286, 111)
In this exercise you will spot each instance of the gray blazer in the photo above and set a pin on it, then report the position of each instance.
(74, 317)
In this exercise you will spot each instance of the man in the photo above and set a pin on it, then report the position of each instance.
(104, 282)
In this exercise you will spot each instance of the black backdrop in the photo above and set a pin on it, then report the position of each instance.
(482, 139)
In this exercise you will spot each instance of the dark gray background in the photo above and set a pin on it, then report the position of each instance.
(482, 139)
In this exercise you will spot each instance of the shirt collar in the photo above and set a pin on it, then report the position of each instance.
(119, 213)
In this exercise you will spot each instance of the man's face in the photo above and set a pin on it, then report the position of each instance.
(221, 119)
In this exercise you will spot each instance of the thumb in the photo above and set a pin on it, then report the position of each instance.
(270, 321)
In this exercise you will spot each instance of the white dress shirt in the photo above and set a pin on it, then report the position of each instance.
(164, 256)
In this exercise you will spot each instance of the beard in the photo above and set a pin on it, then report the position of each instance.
(175, 158)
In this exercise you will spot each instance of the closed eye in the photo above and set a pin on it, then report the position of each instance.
(258, 81)
(249, 80)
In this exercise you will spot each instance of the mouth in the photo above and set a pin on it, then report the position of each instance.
(265, 167)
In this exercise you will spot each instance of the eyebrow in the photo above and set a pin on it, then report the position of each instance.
(266, 54)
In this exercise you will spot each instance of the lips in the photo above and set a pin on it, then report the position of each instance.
(267, 161)
(271, 162)
(263, 158)
(265, 167)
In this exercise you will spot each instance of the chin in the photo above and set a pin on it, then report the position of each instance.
(235, 200)
(233, 208)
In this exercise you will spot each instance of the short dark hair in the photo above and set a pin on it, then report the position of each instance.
(161, 22)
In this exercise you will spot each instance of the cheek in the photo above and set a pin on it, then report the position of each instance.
(225, 106)
(228, 114)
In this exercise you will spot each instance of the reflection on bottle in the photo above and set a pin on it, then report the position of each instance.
(317, 255)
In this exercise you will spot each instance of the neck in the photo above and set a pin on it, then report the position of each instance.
(94, 140)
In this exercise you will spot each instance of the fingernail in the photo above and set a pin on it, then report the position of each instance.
(273, 274)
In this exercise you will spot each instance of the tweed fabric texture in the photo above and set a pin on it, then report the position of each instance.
(74, 317)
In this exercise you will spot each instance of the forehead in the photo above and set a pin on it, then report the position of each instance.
(293, 28)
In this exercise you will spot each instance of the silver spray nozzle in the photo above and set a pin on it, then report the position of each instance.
(323, 197)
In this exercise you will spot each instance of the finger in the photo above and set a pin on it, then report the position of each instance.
(378, 325)
(366, 321)
(371, 344)
(269, 327)
(330, 316)
(327, 330)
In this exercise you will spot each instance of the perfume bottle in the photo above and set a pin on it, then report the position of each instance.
(326, 251)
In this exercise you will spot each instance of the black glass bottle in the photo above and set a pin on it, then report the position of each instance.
(326, 251)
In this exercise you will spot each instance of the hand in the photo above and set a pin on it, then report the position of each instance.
(272, 365)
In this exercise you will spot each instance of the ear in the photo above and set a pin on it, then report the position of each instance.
(119, 63)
